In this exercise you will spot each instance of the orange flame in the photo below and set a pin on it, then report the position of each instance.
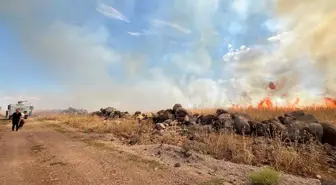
(330, 102)
(265, 103)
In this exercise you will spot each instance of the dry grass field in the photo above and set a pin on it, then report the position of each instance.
(305, 160)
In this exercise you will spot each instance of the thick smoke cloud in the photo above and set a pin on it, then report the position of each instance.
(311, 23)
(300, 57)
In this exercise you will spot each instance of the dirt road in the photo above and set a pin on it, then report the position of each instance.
(41, 155)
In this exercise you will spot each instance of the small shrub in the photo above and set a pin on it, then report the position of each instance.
(215, 182)
(266, 176)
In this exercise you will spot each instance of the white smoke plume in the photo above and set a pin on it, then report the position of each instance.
(79, 60)
(302, 58)
(312, 25)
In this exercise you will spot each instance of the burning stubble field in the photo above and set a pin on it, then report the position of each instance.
(276, 137)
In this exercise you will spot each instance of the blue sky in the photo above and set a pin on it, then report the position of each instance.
(83, 47)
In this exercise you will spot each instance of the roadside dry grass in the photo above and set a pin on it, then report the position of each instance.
(4, 121)
(304, 160)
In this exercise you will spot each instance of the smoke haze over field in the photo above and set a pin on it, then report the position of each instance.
(137, 57)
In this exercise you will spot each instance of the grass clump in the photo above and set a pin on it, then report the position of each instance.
(266, 176)
(214, 182)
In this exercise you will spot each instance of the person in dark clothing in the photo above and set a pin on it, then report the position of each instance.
(16, 120)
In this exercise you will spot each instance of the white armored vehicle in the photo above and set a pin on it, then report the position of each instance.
(24, 107)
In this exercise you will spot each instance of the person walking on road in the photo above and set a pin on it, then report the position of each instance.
(16, 117)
